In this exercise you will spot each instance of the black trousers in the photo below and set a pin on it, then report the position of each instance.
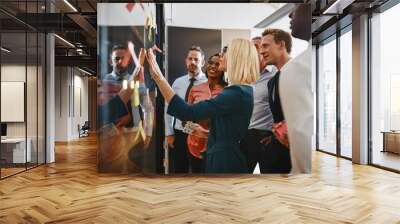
(181, 161)
(272, 158)
(276, 158)
(196, 164)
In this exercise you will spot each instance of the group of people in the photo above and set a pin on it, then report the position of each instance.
(253, 105)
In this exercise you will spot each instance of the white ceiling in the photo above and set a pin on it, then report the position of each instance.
(218, 15)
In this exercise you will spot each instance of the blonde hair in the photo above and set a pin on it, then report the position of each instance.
(242, 62)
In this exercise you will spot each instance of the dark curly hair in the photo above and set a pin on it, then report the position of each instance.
(221, 80)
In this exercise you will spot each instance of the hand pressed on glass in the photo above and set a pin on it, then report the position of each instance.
(155, 71)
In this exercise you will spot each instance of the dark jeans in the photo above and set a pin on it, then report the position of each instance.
(272, 158)
(181, 161)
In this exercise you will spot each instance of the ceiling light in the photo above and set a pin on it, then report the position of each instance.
(65, 41)
(337, 7)
(84, 71)
(70, 5)
(5, 50)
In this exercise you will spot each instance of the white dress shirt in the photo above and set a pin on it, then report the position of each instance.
(295, 89)
(180, 86)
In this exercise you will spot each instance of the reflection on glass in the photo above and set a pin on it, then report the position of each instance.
(15, 151)
(346, 94)
(385, 85)
(327, 97)
(23, 90)
(126, 94)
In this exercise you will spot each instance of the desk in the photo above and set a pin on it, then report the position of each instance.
(13, 150)
(391, 141)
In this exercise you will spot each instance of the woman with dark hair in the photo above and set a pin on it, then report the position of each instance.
(197, 140)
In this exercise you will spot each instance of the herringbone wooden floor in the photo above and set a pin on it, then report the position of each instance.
(71, 191)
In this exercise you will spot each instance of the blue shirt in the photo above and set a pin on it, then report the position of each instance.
(261, 119)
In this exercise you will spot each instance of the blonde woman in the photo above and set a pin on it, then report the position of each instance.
(229, 112)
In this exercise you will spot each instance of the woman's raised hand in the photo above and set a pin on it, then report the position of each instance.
(155, 71)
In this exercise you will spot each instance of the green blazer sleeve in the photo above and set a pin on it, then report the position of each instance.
(224, 103)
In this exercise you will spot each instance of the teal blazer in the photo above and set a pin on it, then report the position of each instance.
(230, 114)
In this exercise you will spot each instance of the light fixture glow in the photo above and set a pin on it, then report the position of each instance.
(65, 41)
(5, 50)
(84, 71)
(70, 5)
(337, 7)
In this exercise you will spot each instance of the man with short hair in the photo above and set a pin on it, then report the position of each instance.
(257, 43)
(174, 136)
(261, 120)
(119, 118)
(120, 59)
(276, 46)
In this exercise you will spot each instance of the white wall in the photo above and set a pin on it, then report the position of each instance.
(217, 15)
(106, 14)
(71, 96)
(33, 127)
(16, 73)
(236, 20)
(229, 34)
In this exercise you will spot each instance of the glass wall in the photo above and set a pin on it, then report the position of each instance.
(385, 89)
(346, 93)
(327, 96)
(22, 89)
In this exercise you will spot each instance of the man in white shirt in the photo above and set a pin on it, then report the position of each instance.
(176, 139)
(297, 96)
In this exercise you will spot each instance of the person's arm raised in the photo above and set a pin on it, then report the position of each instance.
(156, 74)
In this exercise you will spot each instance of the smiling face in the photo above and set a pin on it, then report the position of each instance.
(213, 67)
(270, 50)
